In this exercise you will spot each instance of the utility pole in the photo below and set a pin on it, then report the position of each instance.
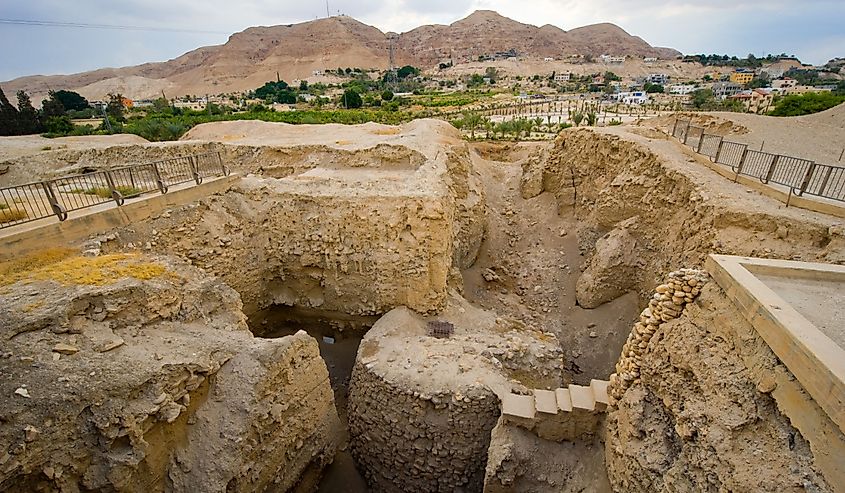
(327, 9)
(207, 104)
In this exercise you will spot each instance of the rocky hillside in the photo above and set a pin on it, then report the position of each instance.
(254, 56)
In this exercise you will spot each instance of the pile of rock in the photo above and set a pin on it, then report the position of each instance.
(680, 288)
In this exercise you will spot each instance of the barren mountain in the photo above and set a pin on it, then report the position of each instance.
(254, 56)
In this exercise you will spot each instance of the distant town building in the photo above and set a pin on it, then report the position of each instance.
(742, 77)
(632, 97)
(661, 79)
(681, 89)
(754, 101)
(612, 59)
(563, 77)
(650, 59)
(723, 90)
(548, 59)
(785, 83)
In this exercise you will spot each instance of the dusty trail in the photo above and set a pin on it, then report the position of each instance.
(537, 267)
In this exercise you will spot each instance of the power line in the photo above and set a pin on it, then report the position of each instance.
(82, 25)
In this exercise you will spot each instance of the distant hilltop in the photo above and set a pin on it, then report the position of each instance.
(256, 55)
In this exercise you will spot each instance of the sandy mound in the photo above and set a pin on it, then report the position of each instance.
(834, 117)
(252, 132)
(23, 145)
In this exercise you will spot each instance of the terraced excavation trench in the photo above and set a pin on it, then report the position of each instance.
(402, 288)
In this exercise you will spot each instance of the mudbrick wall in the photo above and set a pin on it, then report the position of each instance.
(152, 383)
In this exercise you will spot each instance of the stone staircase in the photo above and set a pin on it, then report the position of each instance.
(562, 414)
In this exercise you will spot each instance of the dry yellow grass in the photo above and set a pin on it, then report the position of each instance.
(386, 131)
(62, 266)
(9, 215)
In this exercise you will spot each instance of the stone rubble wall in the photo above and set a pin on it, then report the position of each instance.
(680, 288)
(405, 440)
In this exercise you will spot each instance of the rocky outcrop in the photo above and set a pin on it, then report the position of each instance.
(613, 270)
(132, 373)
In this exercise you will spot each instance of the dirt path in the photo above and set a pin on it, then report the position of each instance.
(537, 267)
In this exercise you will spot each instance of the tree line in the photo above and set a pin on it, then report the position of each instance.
(55, 114)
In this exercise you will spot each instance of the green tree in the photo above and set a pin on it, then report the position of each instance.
(610, 77)
(407, 71)
(472, 121)
(653, 88)
(115, 108)
(71, 100)
(52, 106)
(27, 116)
(591, 118)
(805, 104)
(702, 98)
(8, 116)
(351, 99)
(387, 95)
(577, 118)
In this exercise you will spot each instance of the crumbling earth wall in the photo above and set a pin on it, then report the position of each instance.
(124, 384)
(698, 414)
(654, 209)
(352, 231)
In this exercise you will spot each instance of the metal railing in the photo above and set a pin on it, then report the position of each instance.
(59, 196)
(800, 175)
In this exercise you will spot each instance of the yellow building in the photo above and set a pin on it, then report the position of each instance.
(742, 77)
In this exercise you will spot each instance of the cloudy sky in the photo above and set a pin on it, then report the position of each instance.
(814, 30)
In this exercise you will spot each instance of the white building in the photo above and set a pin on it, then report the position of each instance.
(681, 89)
(632, 97)
(563, 77)
(612, 59)
(650, 59)
(548, 59)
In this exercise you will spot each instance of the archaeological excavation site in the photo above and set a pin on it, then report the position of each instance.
(271, 307)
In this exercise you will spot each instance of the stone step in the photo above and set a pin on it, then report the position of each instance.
(600, 394)
(582, 397)
(545, 401)
(564, 401)
(520, 406)
(591, 398)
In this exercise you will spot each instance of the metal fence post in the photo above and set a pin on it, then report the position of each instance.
(115, 193)
(194, 170)
(700, 141)
(807, 176)
(58, 210)
(771, 169)
(161, 186)
(675, 127)
(824, 181)
(719, 150)
(686, 132)
(741, 163)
